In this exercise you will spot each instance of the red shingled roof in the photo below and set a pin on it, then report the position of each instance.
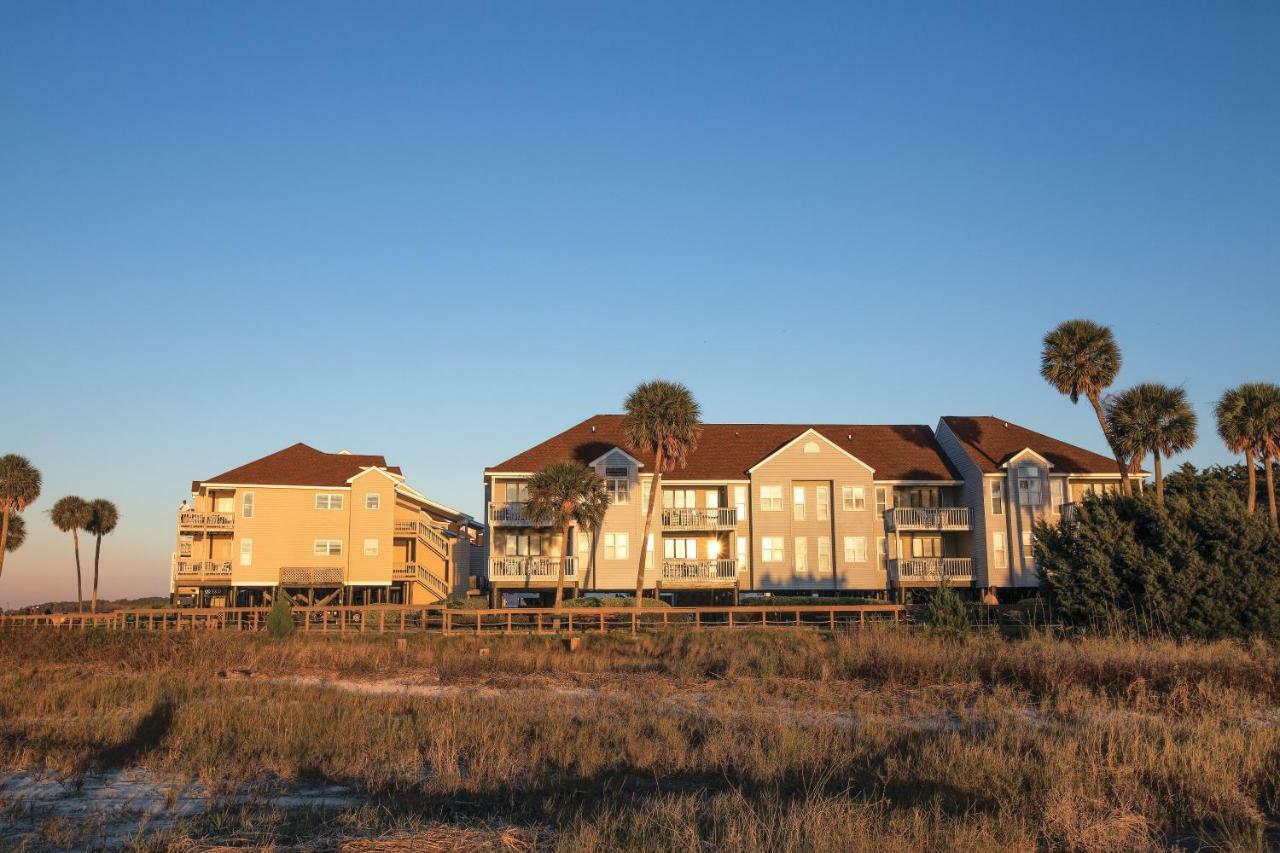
(991, 442)
(726, 451)
(301, 465)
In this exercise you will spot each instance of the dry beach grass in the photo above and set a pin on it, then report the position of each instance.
(885, 739)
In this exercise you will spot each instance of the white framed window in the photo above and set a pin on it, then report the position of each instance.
(742, 552)
(619, 491)
(679, 498)
(822, 504)
(583, 539)
(646, 491)
(224, 504)
(371, 547)
(853, 498)
(623, 471)
(1030, 492)
(855, 549)
(713, 549)
(246, 552)
(373, 500)
(1057, 493)
(328, 501)
(824, 554)
(882, 554)
(1028, 545)
(246, 505)
(523, 545)
(615, 546)
(797, 503)
(771, 498)
(713, 499)
(680, 549)
(649, 546)
(802, 554)
(882, 501)
(997, 497)
(517, 492)
(327, 548)
(771, 549)
(740, 501)
(926, 546)
(1000, 555)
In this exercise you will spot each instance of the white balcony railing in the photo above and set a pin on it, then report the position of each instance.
(532, 568)
(927, 518)
(206, 520)
(709, 518)
(931, 569)
(203, 568)
(510, 515)
(426, 533)
(415, 572)
(700, 570)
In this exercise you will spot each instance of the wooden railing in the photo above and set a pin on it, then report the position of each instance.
(206, 520)
(428, 534)
(927, 518)
(931, 569)
(203, 568)
(397, 618)
(532, 568)
(510, 515)
(709, 518)
(415, 572)
(700, 570)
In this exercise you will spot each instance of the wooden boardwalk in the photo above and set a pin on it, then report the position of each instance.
(402, 619)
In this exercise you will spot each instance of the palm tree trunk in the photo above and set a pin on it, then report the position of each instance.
(564, 555)
(1096, 402)
(75, 538)
(1252, 499)
(1271, 486)
(4, 538)
(648, 524)
(97, 553)
(1159, 478)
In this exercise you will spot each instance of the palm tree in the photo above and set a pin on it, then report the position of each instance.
(1248, 420)
(1081, 359)
(1152, 418)
(19, 488)
(104, 520)
(70, 515)
(17, 533)
(663, 419)
(561, 495)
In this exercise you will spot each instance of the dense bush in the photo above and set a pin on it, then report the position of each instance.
(945, 613)
(280, 619)
(612, 601)
(1198, 566)
(804, 600)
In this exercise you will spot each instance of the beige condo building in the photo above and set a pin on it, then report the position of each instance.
(322, 528)
(798, 509)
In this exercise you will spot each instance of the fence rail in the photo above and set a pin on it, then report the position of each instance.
(438, 620)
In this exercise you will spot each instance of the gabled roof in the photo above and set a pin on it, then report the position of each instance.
(991, 442)
(727, 451)
(300, 465)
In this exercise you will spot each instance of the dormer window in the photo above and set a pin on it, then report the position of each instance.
(1030, 491)
(619, 490)
(615, 471)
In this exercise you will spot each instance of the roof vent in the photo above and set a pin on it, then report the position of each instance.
(593, 427)
(851, 436)
(344, 452)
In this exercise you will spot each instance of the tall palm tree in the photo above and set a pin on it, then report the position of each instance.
(19, 488)
(564, 494)
(70, 515)
(1247, 416)
(1081, 359)
(1152, 418)
(663, 419)
(104, 520)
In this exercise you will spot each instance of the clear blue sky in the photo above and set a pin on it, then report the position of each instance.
(443, 232)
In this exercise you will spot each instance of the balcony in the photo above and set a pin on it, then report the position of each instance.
(931, 570)
(526, 569)
(927, 518)
(426, 533)
(414, 572)
(712, 571)
(206, 521)
(509, 515)
(202, 570)
(710, 518)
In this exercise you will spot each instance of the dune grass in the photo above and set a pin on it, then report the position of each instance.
(715, 740)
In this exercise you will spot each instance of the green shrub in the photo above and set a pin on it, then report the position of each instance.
(945, 613)
(467, 602)
(612, 601)
(280, 619)
(805, 600)
(1198, 566)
